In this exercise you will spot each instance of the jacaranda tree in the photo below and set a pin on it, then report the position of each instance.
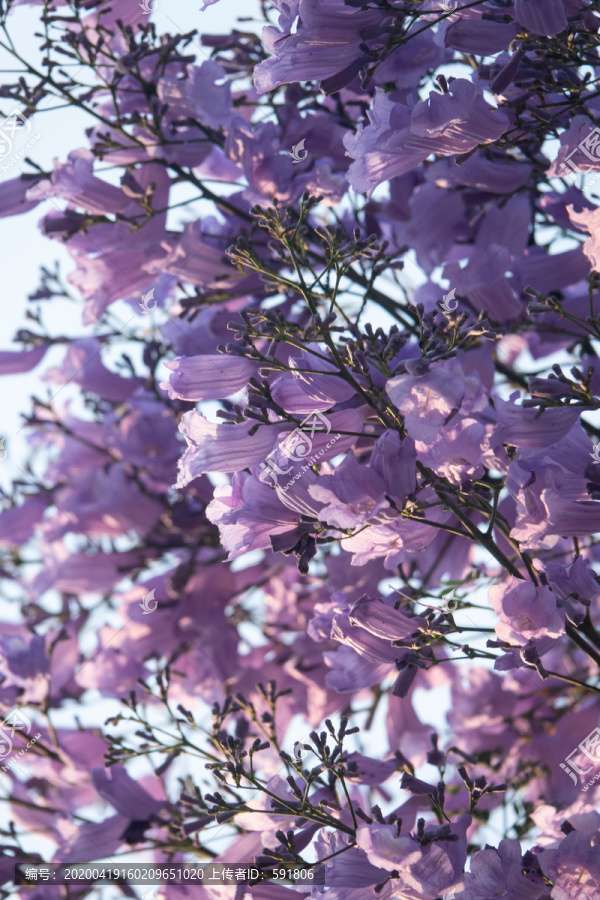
(333, 457)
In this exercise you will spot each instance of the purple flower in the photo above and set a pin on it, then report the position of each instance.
(499, 873)
(25, 659)
(378, 617)
(145, 435)
(574, 586)
(248, 512)
(550, 490)
(571, 142)
(105, 502)
(75, 182)
(326, 46)
(207, 377)
(541, 16)
(221, 448)
(124, 794)
(374, 649)
(82, 364)
(13, 196)
(472, 33)
(431, 868)
(17, 525)
(426, 400)
(527, 428)
(91, 840)
(13, 362)
(525, 611)
(573, 867)
(399, 137)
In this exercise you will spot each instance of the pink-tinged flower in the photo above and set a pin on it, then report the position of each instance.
(208, 377)
(352, 496)
(545, 17)
(396, 542)
(526, 612)
(589, 220)
(399, 137)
